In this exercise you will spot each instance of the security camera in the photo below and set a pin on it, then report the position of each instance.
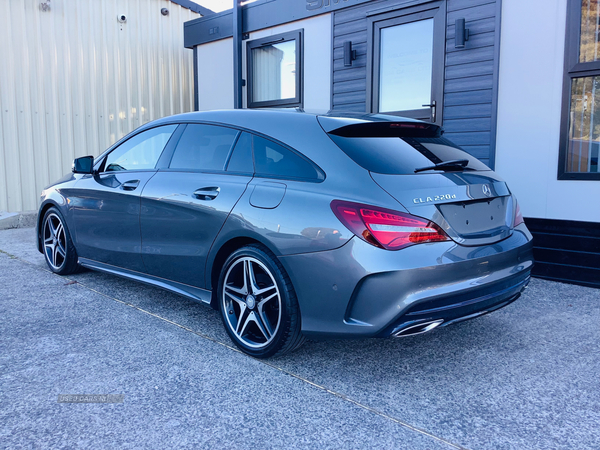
(122, 18)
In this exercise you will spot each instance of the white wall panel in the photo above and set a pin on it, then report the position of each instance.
(215, 66)
(529, 113)
(215, 75)
(73, 80)
(317, 58)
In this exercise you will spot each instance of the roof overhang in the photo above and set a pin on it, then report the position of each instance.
(193, 6)
(257, 16)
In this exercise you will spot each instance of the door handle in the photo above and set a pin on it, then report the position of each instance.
(207, 193)
(432, 106)
(130, 185)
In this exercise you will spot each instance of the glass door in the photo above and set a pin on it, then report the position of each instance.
(408, 64)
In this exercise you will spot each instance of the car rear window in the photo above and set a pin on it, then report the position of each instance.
(403, 155)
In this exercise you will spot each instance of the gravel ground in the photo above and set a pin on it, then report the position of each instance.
(524, 377)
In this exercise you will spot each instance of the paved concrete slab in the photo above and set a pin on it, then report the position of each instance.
(24, 219)
(525, 377)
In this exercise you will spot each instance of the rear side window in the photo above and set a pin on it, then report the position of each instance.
(403, 155)
(241, 159)
(274, 160)
(203, 147)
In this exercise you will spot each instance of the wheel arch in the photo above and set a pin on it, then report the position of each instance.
(215, 264)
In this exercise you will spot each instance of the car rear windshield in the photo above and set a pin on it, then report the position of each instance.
(404, 155)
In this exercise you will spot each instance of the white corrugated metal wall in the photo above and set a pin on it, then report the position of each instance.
(73, 80)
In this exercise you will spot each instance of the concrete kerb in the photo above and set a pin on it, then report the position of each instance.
(23, 219)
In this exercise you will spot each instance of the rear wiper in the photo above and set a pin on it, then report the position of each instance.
(453, 164)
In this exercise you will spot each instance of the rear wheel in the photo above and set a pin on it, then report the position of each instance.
(59, 250)
(258, 303)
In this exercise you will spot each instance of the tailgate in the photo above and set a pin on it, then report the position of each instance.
(474, 209)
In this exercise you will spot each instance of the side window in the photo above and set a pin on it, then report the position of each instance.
(241, 159)
(273, 160)
(580, 139)
(203, 147)
(275, 70)
(141, 152)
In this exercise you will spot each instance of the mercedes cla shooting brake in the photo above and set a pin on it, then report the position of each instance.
(295, 225)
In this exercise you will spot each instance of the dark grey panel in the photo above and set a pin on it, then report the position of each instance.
(475, 41)
(459, 125)
(475, 13)
(353, 107)
(350, 27)
(454, 5)
(469, 84)
(470, 70)
(358, 37)
(468, 98)
(477, 138)
(268, 13)
(349, 15)
(360, 61)
(478, 151)
(470, 55)
(350, 86)
(361, 49)
(475, 27)
(467, 111)
(349, 97)
(208, 29)
(360, 73)
(256, 16)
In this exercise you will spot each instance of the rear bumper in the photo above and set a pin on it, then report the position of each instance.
(464, 305)
(361, 291)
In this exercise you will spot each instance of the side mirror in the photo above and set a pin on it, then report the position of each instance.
(84, 164)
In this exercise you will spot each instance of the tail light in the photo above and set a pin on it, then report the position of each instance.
(518, 216)
(385, 228)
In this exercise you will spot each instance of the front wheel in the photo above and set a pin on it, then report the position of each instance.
(59, 250)
(258, 303)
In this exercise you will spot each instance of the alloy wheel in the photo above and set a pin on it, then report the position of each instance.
(251, 302)
(55, 241)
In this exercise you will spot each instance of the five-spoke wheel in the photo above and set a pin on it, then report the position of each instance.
(258, 304)
(252, 302)
(57, 245)
(55, 242)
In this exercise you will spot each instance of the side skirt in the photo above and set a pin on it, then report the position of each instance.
(191, 292)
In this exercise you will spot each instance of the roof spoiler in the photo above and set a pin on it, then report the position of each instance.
(389, 129)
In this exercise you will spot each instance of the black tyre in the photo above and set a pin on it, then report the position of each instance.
(58, 247)
(258, 304)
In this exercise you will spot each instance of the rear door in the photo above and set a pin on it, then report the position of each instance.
(186, 203)
(106, 205)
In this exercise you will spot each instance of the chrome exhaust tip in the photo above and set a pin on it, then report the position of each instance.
(419, 328)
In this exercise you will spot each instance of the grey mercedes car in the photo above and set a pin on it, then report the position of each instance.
(295, 225)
